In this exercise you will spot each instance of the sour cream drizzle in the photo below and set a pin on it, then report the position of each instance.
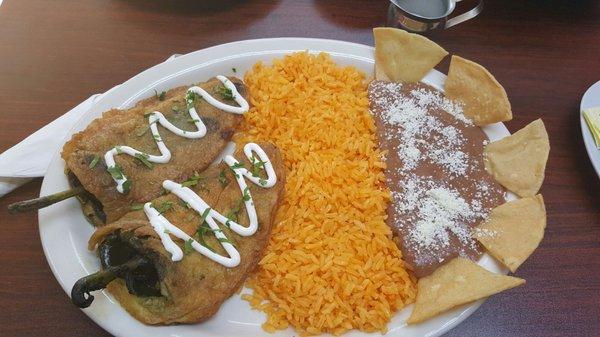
(157, 117)
(164, 227)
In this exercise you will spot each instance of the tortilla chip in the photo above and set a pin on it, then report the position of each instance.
(404, 57)
(380, 75)
(460, 281)
(518, 161)
(513, 230)
(485, 101)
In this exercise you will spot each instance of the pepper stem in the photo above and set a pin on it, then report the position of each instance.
(41, 202)
(80, 293)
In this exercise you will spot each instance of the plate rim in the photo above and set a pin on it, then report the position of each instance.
(468, 309)
(588, 140)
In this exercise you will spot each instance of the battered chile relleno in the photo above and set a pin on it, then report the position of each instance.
(139, 272)
(94, 186)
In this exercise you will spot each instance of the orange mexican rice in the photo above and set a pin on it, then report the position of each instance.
(330, 265)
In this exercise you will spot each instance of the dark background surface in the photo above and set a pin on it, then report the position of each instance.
(54, 54)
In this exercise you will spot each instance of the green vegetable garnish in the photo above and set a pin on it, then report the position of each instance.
(190, 99)
(257, 165)
(94, 161)
(204, 215)
(161, 96)
(223, 179)
(136, 207)
(236, 166)
(203, 229)
(233, 214)
(116, 172)
(164, 207)
(143, 158)
(226, 240)
(142, 131)
(187, 247)
(126, 186)
(225, 92)
(246, 195)
(193, 181)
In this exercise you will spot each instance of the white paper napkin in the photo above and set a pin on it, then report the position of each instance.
(30, 158)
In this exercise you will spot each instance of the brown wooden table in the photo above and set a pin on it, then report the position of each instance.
(54, 54)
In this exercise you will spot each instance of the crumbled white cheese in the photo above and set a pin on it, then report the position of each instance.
(431, 211)
(411, 115)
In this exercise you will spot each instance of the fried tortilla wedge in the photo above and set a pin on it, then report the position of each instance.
(513, 230)
(518, 161)
(85, 151)
(404, 57)
(193, 289)
(458, 282)
(485, 100)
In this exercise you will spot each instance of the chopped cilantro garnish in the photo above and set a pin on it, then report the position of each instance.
(126, 186)
(204, 215)
(166, 231)
(164, 207)
(237, 165)
(94, 161)
(246, 196)
(193, 181)
(119, 149)
(191, 98)
(175, 108)
(262, 182)
(187, 247)
(257, 165)
(136, 207)
(203, 229)
(225, 92)
(157, 138)
(233, 214)
(143, 157)
(203, 243)
(142, 131)
(222, 240)
(161, 96)
(116, 172)
(193, 120)
(234, 70)
(223, 179)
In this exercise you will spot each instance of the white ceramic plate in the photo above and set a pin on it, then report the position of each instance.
(64, 231)
(590, 99)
